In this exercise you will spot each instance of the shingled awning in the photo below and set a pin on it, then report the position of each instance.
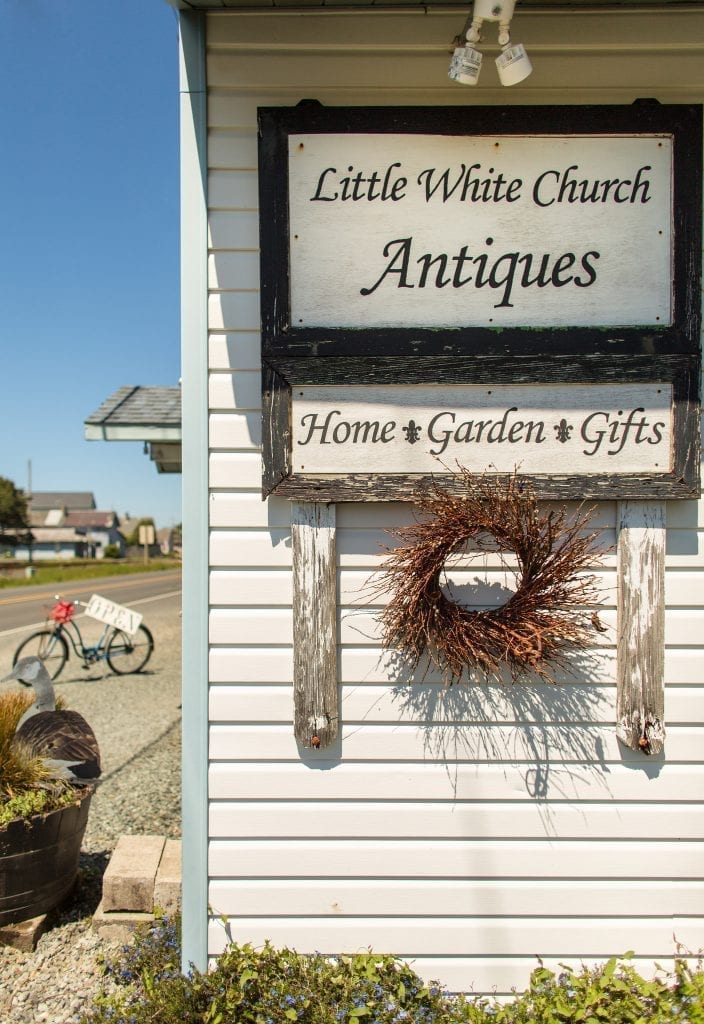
(140, 413)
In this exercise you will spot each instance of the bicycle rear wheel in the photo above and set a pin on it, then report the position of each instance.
(48, 646)
(126, 654)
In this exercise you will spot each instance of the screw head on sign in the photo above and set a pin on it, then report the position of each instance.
(315, 741)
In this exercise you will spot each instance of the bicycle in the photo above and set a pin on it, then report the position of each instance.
(124, 652)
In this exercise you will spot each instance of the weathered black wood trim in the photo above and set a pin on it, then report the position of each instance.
(680, 370)
(686, 429)
(364, 487)
(276, 429)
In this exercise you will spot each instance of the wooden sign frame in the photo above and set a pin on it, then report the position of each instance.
(313, 355)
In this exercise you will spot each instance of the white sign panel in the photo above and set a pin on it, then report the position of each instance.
(104, 610)
(456, 231)
(556, 429)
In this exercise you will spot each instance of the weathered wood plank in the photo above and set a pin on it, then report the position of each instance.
(640, 703)
(389, 487)
(316, 705)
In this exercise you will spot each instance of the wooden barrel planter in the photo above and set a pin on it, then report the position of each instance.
(39, 860)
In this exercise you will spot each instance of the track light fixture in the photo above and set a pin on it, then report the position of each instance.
(512, 63)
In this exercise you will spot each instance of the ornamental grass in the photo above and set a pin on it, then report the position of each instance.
(26, 788)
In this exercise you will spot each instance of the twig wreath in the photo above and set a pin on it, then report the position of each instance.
(547, 615)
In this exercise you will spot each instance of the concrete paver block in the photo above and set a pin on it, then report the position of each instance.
(128, 882)
(167, 887)
(25, 934)
(115, 925)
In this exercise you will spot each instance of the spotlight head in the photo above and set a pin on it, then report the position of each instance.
(465, 65)
(513, 65)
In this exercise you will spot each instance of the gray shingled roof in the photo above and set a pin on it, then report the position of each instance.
(135, 405)
(72, 500)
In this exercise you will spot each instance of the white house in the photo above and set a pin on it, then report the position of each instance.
(468, 834)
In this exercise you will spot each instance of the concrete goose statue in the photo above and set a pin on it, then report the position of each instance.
(62, 738)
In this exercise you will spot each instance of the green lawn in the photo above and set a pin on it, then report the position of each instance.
(13, 575)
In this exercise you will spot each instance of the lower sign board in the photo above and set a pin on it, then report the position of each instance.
(623, 428)
(537, 429)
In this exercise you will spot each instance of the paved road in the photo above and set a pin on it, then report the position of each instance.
(24, 608)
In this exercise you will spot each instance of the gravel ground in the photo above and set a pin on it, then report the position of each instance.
(137, 721)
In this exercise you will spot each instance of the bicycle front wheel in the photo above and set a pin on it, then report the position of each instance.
(127, 653)
(48, 646)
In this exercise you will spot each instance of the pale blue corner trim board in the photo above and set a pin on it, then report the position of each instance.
(194, 370)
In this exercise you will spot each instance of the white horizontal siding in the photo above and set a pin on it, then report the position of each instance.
(686, 516)
(234, 392)
(257, 665)
(361, 587)
(233, 431)
(234, 190)
(234, 148)
(480, 819)
(432, 782)
(359, 626)
(234, 310)
(373, 705)
(248, 510)
(484, 743)
(412, 937)
(233, 229)
(433, 704)
(469, 829)
(238, 269)
(537, 859)
(331, 897)
(240, 351)
(242, 470)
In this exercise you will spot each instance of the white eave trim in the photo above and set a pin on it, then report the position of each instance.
(100, 432)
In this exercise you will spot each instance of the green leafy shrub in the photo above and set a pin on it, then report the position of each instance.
(270, 986)
(612, 993)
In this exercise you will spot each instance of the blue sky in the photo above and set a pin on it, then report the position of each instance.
(89, 254)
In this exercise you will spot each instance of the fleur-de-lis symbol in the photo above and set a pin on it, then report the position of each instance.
(412, 432)
(563, 431)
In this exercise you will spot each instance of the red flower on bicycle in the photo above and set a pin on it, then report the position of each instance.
(62, 611)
